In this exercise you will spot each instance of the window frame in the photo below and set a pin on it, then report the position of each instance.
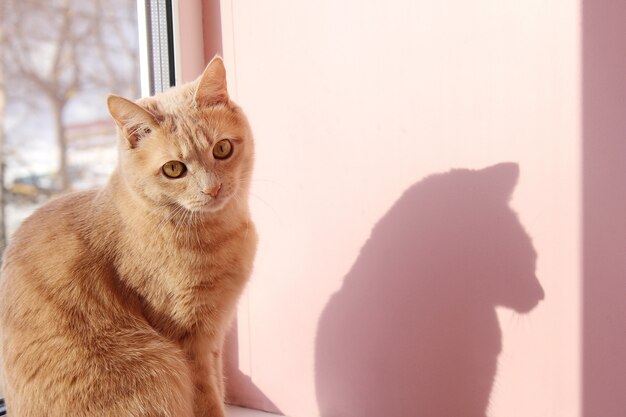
(157, 23)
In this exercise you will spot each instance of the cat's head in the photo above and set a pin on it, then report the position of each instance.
(188, 148)
(491, 245)
(456, 235)
(501, 259)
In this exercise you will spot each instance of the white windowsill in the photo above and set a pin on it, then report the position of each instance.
(232, 411)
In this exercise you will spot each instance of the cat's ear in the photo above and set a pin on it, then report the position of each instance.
(134, 121)
(211, 87)
(502, 178)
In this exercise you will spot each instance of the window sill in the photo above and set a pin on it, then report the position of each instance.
(232, 411)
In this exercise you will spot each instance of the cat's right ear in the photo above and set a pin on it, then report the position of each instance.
(502, 178)
(211, 88)
(134, 121)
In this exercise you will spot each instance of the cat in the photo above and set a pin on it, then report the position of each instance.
(115, 302)
(413, 330)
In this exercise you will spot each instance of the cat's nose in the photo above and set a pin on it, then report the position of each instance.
(213, 191)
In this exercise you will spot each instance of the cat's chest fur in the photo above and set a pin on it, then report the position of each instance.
(188, 278)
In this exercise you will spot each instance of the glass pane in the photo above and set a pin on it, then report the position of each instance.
(60, 59)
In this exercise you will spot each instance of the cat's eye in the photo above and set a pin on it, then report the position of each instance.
(223, 149)
(173, 169)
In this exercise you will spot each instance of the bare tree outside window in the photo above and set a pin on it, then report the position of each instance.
(60, 58)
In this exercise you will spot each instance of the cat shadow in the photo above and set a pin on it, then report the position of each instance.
(413, 330)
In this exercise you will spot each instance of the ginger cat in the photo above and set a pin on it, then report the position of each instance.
(116, 301)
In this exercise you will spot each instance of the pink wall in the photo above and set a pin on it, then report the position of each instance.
(198, 37)
(189, 40)
(211, 18)
(427, 246)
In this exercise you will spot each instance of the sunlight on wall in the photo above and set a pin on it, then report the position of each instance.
(355, 106)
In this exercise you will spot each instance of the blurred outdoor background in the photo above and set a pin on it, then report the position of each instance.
(59, 61)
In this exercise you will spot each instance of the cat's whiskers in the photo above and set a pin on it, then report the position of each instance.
(184, 229)
(187, 226)
(190, 225)
(264, 202)
(157, 212)
(196, 230)
(192, 228)
(520, 321)
(245, 181)
(169, 218)
(160, 227)
(180, 229)
(180, 224)
(165, 223)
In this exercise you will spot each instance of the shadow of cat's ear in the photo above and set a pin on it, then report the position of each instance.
(134, 121)
(211, 87)
(501, 178)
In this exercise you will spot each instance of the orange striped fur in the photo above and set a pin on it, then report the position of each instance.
(116, 301)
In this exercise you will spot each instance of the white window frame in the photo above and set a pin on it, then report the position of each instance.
(156, 45)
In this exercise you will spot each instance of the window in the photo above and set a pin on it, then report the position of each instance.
(60, 59)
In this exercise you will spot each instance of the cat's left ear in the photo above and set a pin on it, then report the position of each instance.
(211, 87)
(134, 121)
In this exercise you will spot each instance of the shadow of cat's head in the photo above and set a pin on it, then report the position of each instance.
(502, 256)
(458, 233)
